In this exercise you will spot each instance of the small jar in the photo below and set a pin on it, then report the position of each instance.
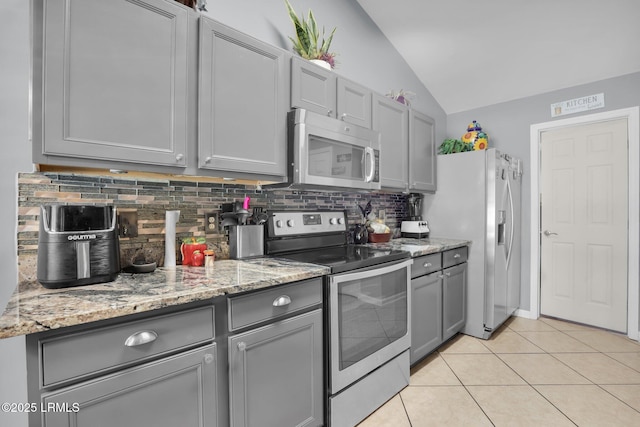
(209, 257)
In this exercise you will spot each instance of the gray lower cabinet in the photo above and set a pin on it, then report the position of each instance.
(438, 300)
(146, 371)
(275, 374)
(243, 97)
(422, 153)
(111, 82)
(454, 300)
(174, 391)
(391, 119)
(275, 356)
(426, 315)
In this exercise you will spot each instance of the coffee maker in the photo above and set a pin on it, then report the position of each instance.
(77, 245)
(414, 226)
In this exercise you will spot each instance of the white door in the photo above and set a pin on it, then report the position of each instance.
(584, 223)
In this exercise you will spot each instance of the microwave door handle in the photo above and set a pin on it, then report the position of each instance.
(368, 151)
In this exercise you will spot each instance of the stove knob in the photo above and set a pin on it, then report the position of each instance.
(333, 221)
(290, 223)
(279, 223)
(340, 221)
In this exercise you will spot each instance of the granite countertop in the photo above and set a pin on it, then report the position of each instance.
(33, 308)
(419, 247)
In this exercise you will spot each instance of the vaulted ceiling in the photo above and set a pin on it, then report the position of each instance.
(472, 53)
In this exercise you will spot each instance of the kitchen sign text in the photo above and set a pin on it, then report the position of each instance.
(577, 105)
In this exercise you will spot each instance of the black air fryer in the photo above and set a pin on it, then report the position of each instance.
(77, 245)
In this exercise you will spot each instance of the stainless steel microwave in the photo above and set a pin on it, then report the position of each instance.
(327, 153)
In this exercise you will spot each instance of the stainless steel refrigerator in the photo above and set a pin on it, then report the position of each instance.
(478, 199)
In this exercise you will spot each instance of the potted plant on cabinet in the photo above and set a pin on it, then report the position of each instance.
(309, 43)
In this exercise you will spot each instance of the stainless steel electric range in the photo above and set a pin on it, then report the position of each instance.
(367, 309)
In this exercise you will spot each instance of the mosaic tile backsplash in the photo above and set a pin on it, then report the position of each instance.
(150, 198)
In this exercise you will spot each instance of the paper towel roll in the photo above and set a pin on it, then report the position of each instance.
(171, 218)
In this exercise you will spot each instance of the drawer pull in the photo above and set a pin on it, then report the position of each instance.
(208, 358)
(242, 346)
(427, 265)
(447, 274)
(281, 301)
(140, 338)
(457, 256)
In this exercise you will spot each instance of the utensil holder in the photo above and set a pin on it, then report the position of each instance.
(246, 241)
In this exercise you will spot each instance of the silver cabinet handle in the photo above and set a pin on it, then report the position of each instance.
(329, 112)
(207, 160)
(242, 346)
(179, 157)
(440, 276)
(549, 233)
(447, 274)
(140, 338)
(208, 358)
(427, 265)
(281, 301)
(343, 116)
(457, 256)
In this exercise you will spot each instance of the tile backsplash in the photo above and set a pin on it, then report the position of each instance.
(152, 197)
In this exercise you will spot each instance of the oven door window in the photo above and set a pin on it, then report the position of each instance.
(372, 314)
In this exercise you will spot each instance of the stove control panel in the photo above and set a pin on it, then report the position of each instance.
(293, 223)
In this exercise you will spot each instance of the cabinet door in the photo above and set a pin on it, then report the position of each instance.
(275, 374)
(115, 79)
(426, 315)
(422, 152)
(391, 119)
(243, 95)
(312, 87)
(353, 103)
(175, 391)
(454, 300)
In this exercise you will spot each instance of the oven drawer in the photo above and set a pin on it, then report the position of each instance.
(103, 349)
(426, 264)
(260, 306)
(454, 256)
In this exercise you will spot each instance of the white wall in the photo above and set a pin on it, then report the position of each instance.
(508, 125)
(16, 157)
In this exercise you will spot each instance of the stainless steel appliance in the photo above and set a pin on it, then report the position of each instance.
(246, 241)
(478, 199)
(367, 310)
(325, 152)
(77, 245)
(414, 226)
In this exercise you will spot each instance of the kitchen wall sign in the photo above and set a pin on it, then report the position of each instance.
(576, 105)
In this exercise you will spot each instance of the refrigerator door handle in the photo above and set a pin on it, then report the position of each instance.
(509, 249)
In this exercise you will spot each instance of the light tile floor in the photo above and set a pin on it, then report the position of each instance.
(543, 372)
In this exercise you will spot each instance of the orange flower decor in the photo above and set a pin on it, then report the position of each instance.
(475, 137)
(480, 144)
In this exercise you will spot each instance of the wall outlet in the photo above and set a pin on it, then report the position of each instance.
(128, 223)
(212, 223)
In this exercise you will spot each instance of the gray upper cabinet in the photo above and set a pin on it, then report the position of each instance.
(312, 87)
(391, 119)
(354, 103)
(317, 89)
(422, 152)
(111, 81)
(243, 97)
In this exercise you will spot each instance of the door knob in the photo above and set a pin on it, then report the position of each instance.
(549, 233)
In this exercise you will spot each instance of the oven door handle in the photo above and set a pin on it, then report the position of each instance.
(370, 272)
